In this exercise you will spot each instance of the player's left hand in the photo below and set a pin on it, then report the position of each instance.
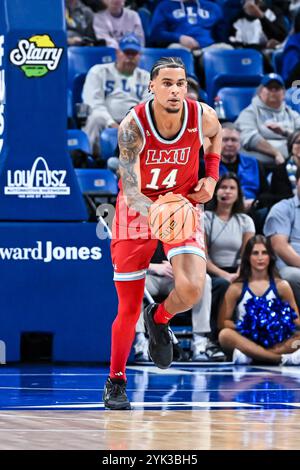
(204, 190)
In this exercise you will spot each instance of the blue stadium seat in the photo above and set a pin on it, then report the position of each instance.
(81, 59)
(240, 67)
(292, 98)
(203, 96)
(69, 104)
(108, 142)
(150, 55)
(235, 99)
(145, 16)
(97, 182)
(277, 58)
(78, 139)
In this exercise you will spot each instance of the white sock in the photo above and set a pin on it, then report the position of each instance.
(291, 359)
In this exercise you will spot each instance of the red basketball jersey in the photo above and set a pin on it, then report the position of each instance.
(169, 165)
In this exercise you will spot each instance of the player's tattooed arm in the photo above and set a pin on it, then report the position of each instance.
(212, 130)
(130, 144)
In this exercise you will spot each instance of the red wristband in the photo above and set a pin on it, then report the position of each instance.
(212, 163)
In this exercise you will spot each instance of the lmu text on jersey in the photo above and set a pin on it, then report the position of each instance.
(179, 156)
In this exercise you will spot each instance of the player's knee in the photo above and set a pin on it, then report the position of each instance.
(189, 292)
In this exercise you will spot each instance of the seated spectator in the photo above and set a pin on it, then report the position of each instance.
(291, 55)
(79, 19)
(116, 21)
(283, 226)
(283, 180)
(259, 25)
(185, 22)
(159, 283)
(250, 172)
(194, 91)
(267, 122)
(227, 230)
(257, 281)
(251, 175)
(112, 89)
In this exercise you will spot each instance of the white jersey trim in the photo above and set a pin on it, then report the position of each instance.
(200, 113)
(161, 139)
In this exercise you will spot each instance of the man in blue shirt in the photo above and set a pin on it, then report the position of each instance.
(185, 22)
(283, 226)
(249, 171)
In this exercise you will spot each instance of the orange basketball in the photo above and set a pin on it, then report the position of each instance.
(172, 218)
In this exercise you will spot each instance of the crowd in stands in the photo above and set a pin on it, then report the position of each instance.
(259, 189)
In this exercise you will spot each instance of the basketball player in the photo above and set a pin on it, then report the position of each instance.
(159, 145)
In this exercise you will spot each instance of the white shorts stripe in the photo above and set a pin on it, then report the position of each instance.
(130, 276)
(186, 249)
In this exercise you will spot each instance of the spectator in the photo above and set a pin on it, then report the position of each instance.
(79, 19)
(116, 22)
(283, 226)
(267, 122)
(160, 282)
(185, 22)
(112, 89)
(291, 55)
(283, 182)
(259, 26)
(194, 91)
(249, 171)
(227, 230)
(193, 88)
(257, 281)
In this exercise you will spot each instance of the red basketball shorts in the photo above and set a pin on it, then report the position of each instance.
(133, 245)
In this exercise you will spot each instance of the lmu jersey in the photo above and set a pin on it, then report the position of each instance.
(169, 165)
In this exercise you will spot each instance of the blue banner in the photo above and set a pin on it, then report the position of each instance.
(57, 278)
(37, 179)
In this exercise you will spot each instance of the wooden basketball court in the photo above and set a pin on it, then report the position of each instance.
(183, 408)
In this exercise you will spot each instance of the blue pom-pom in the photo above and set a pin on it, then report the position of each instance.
(267, 322)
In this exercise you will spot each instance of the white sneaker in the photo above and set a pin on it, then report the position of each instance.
(292, 359)
(141, 348)
(240, 358)
(199, 347)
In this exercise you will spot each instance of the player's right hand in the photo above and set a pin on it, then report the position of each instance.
(204, 190)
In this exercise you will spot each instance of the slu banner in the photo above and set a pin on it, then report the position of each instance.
(37, 181)
(56, 278)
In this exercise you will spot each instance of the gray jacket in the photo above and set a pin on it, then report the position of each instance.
(251, 123)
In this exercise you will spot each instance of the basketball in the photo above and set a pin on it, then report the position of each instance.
(172, 218)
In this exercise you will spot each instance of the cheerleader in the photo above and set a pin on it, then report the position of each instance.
(259, 318)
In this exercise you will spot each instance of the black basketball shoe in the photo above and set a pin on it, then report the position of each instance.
(114, 395)
(160, 343)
